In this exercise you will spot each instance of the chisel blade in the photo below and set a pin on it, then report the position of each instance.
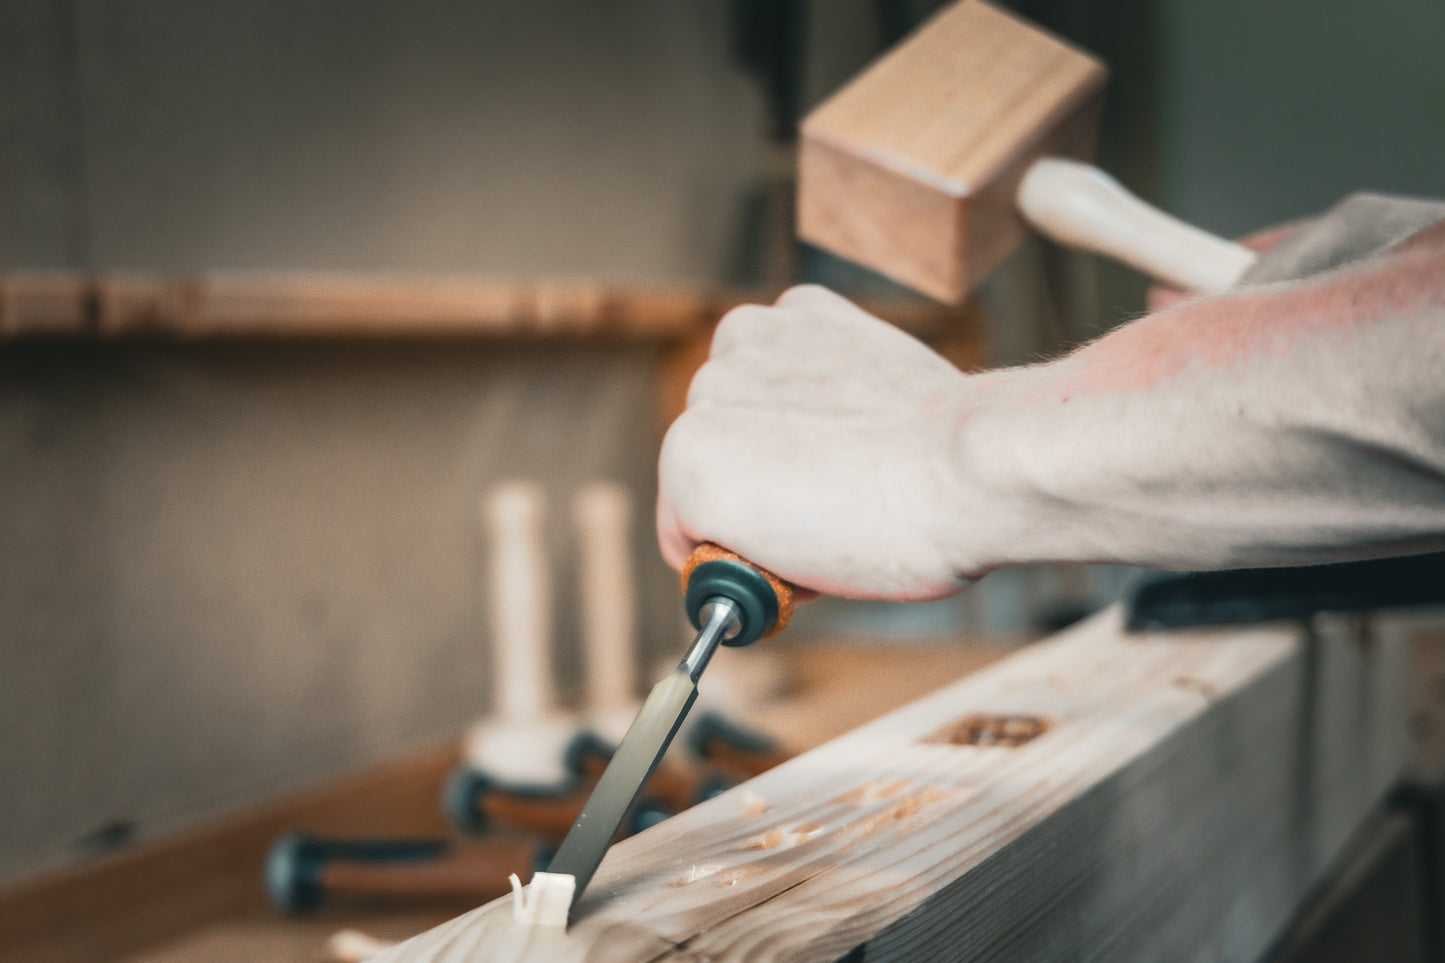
(632, 765)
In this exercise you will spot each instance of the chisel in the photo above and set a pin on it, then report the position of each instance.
(729, 602)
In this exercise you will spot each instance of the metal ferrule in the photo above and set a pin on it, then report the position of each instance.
(720, 621)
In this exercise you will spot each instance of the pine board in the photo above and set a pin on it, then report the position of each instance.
(1189, 792)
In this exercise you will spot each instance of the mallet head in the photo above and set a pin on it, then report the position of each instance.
(912, 168)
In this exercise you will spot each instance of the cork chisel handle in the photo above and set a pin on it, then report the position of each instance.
(709, 552)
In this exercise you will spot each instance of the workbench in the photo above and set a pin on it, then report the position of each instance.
(200, 897)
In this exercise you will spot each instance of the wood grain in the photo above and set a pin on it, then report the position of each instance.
(912, 167)
(1187, 793)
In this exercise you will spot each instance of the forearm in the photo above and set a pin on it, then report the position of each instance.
(1283, 425)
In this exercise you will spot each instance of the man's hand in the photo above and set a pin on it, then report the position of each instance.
(1286, 422)
(817, 442)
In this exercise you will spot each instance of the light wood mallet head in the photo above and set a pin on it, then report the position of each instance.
(933, 164)
(912, 168)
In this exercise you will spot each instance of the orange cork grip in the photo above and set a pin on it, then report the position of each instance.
(712, 552)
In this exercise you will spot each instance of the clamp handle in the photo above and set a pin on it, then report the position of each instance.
(765, 601)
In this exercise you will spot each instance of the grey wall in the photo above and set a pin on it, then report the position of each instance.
(227, 570)
(1271, 111)
(554, 136)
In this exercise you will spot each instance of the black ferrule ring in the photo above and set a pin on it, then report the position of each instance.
(742, 584)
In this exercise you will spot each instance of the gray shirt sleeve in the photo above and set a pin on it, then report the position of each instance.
(1356, 227)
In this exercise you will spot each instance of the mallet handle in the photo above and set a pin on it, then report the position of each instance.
(1080, 206)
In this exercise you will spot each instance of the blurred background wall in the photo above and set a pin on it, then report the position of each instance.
(230, 569)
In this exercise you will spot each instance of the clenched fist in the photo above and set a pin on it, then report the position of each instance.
(822, 443)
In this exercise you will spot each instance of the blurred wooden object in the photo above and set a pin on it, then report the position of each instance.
(240, 305)
(40, 305)
(307, 873)
(159, 890)
(1173, 797)
(679, 320)
(602, 523)
(523, 742)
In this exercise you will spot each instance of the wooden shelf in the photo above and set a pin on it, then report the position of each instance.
(51, 305)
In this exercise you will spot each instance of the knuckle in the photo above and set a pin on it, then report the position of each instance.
(678, 449)
(804, 293)
(708, 384)
(739, 327)
(821, 307)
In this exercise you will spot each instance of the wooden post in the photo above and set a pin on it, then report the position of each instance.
(602, 514)
(523, 741)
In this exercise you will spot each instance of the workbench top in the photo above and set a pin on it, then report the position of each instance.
(200, 898)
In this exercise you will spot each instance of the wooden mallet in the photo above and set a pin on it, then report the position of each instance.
(931, 166)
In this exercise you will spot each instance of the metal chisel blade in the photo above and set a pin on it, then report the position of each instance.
(632, 765)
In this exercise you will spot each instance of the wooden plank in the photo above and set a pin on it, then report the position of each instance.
(912, 168)
(141, 897)
(1184, 795)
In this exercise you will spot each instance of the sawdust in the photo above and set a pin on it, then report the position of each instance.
(693, 874)
(771, 839)
(733, 877)
(779, 836)
(872, 789)
(990, 729)
(753, 804)
(1203, 688)
(899, 814)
